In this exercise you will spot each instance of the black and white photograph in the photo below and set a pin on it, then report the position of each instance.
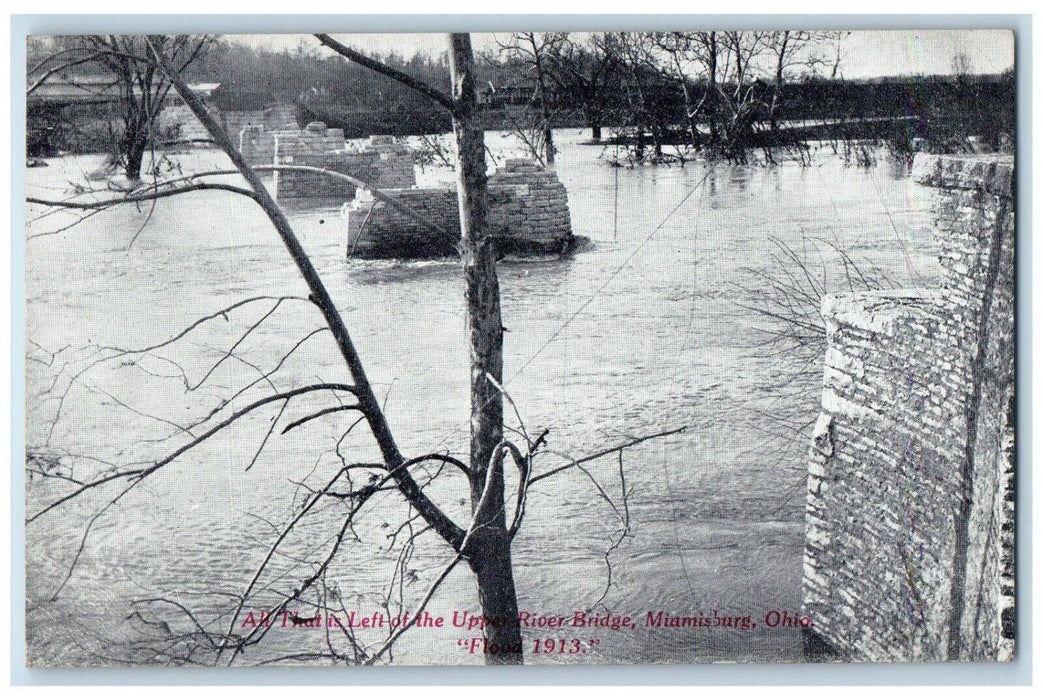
(520, 347)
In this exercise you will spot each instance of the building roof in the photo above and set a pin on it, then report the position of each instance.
(204, 89)
(91, 89)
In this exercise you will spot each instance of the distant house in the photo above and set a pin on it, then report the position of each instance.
(506, 94)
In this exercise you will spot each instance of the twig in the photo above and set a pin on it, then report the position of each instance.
(140, 474)
(602, 453)
(319, 414)
(378, 67)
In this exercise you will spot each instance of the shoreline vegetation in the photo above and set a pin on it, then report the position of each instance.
(664, 96)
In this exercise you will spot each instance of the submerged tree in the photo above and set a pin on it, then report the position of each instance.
(485, 541)
(588, 75)
(648, 113)
(680, 46)
(141, 88)
(717, 92)
(534, 52)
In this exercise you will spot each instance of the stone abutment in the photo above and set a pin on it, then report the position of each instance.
(909, 549)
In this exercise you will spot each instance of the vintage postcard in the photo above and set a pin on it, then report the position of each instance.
(667, 347)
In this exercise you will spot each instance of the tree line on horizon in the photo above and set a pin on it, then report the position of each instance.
(720, 93)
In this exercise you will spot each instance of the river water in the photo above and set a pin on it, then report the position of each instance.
(645, 329)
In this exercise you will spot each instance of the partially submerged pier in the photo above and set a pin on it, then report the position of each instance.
(528, 214)
(528, 204)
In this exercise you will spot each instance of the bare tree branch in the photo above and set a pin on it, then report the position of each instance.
(603, 453)
(139, 474)
(449, 530)
(378, 67)
(318, 414)
(143, 198)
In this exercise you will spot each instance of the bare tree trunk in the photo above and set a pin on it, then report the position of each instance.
(646, 117)
(368, 404)
(541, 86)
(136, 145)
(131, 145)
(689, 112)
(488, 551)
(780, 65)
(711, 87)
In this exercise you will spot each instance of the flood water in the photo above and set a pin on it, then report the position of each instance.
(644, 330)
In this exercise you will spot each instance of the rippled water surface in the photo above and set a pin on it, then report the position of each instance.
(643, 330)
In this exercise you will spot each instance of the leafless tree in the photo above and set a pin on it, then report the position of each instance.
(484, 543)
(680, 48)
(639, 62)
(742, 74)
(784, 296)
(534, 51)
(141, 89)
(800, 51)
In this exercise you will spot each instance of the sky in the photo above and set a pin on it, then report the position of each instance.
(865, 54)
